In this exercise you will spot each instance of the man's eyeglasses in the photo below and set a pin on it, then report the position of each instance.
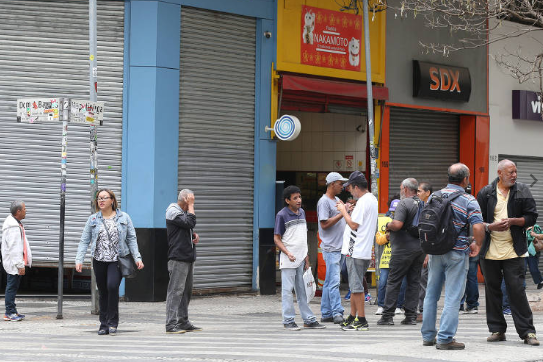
(103, 198)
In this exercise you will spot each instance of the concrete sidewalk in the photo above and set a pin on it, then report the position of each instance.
(241, 328)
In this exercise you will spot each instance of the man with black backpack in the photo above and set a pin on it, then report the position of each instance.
(406, 257)
(508, 208)
(443, 227)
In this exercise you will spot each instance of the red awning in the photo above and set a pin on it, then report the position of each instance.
(332, 87)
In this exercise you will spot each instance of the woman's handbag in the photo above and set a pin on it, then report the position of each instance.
(126, 263)
(127, 266)
(538, 244)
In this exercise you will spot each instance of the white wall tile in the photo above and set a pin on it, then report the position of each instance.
(339, 122)
(296, 145)
(350, 145)
(316, 161)
(328, 141)
(317, 121)
(339, 141)
(361, 141)
(327, 122)
(316, 141)
(296, 161)
(360, 157)
(306, 161)
(327, 161)
(306, 141)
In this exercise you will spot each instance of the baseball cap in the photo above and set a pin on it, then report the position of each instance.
(334, 176)
(355, 176)
(393, 204)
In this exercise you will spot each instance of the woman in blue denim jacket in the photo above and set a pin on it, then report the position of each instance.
(110, 234)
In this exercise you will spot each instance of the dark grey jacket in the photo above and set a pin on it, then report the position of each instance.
(179, 225)
(521, 204)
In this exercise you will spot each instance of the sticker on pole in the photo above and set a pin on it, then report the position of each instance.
(287, 128)
(82, 111)
(38, 110)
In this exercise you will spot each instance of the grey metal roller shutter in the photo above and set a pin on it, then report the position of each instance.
(44, 53)
(527, 166)
(216, 141)
(422, 145)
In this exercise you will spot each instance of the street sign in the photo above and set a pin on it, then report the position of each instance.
(82, 111)
(37, 110)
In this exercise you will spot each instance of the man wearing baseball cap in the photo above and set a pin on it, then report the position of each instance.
(331, 226)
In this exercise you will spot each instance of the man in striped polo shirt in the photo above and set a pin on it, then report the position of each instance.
(451, 268)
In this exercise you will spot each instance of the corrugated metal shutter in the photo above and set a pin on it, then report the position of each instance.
(44, 53)
(216, 141)
(422, 145)
(527, 166)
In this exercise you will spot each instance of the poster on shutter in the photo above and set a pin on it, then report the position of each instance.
(330, 39)
(349, 163)
(36, 110)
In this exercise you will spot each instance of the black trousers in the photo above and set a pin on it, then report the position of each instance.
(108, 278)
(513, 272)
(403, 264)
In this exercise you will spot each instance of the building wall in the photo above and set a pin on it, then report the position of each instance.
(402, 47)
(507, 135)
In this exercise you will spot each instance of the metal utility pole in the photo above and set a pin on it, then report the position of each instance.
(64, 156)
(93, 83)
(371, 125)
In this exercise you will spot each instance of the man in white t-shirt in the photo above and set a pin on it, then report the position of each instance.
(357, 244)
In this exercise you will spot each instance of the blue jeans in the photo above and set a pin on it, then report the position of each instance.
(450, 269)
(532, 263)
(293, 278)
(12, 285)
(471, 297)
(331, 299)
(382, 288)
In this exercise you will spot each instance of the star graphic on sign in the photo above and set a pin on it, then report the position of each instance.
(311, 58)
(350, 22)
(343, 62)
(345, 22)
(306, 57)
(357, 24)
(336, 61)
(330, 60)
(319, 17)
(318, 59)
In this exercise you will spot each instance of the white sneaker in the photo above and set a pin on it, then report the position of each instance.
(379, 311)
(399, 311)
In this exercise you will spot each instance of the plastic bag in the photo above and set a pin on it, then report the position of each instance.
(310, 285)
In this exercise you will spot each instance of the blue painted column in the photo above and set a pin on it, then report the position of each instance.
(151, 136)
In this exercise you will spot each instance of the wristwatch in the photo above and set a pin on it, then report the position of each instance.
(486, 227)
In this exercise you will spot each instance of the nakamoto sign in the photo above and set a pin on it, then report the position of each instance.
(441, 81)
(330, 39)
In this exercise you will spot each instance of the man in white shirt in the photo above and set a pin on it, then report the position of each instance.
(357, 244)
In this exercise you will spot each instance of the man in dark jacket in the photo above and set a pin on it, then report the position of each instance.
(180, 222)
(508, 208)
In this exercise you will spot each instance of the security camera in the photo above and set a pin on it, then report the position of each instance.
(268, 34)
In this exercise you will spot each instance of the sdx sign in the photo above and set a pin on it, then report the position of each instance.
(441, 81)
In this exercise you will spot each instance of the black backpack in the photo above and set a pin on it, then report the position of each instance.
(437, 233)
(413, 229)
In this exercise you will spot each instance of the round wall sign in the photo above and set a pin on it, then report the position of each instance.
(287, 128)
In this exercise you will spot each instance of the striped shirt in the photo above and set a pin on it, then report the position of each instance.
(466, 211)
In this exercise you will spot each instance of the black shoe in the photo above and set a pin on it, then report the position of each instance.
(112, 331)
(292, 327)
(350, 319)
(327, 320)
(409, 321)
(385, 321)
(191, 328)
(314, 325)
(175, 330)
(540, 285)
(103, 332)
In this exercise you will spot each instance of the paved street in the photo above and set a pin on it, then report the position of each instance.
(239, 328)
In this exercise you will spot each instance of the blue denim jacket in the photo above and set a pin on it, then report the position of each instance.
(127, 236)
